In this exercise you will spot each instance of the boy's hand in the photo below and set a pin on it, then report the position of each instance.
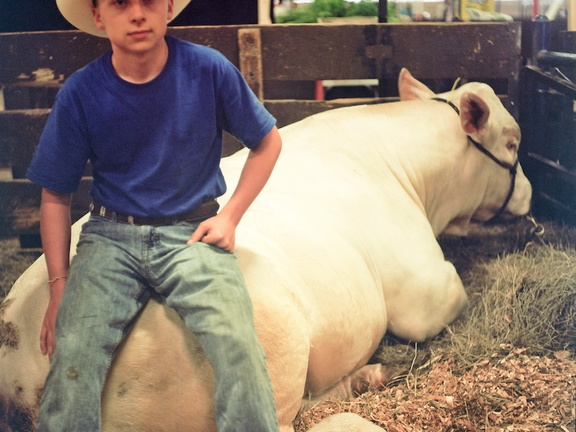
(218, 231)
(47, 339)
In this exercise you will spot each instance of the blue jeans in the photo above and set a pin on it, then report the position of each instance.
(117, 268)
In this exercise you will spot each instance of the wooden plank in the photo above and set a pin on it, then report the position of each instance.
(19, 136)
(20, 205)
(20, 132)
(221, 38)
(30, 94)
(291, 111)
(61, 52)
(429, 50)
(250, 46)
(64, 52)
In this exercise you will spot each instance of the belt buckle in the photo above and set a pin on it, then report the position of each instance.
(131, 220)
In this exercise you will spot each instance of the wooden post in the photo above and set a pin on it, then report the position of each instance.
(571, 4)
(250, 45)
(382, 11)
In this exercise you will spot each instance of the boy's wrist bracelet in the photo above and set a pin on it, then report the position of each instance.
(51, 281)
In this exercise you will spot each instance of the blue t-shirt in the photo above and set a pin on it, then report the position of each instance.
(155, 148)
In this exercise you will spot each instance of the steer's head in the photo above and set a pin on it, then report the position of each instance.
(496, 136)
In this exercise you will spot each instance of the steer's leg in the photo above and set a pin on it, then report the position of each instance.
(369, 377)
(286, 343)
(433, 297)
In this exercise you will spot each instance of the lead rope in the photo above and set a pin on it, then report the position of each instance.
(537, 230)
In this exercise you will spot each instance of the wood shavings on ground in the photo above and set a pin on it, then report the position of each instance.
(517, 392)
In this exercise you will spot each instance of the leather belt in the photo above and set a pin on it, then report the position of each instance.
(202, 212)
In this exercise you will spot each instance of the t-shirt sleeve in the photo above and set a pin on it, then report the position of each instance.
(63, 151)
(243, 115)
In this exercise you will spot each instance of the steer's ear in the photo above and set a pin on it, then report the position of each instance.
(410, 88)
(474, 113)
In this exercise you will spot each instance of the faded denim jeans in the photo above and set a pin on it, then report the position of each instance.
(116, 269)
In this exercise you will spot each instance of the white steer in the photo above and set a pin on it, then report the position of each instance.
(338, 249)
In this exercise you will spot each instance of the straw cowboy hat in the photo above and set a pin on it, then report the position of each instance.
(79, 14)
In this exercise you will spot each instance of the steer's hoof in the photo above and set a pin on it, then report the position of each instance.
(370, 377)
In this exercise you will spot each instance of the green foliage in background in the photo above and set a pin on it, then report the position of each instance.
(330, 9)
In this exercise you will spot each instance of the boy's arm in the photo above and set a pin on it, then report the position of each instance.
(220, 230)
(55, 229)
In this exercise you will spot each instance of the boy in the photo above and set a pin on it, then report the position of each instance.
(149, 116)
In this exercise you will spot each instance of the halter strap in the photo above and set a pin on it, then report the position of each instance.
(512, 168)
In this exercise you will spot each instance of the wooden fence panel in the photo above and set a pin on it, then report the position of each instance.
(304, 52)
(34, 65)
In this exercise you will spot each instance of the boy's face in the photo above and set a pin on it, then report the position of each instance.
(133, 25)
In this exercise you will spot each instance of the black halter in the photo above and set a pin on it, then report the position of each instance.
(512, 168)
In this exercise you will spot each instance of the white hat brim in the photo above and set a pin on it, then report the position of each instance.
(79, 14)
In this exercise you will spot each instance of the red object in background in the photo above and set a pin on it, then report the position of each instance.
(318, 90)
